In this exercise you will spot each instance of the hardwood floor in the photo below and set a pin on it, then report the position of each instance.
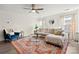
(73, 48)
(7, 48)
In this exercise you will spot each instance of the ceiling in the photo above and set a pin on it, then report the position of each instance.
(49, 9)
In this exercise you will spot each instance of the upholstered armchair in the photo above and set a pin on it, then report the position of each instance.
(10, 37)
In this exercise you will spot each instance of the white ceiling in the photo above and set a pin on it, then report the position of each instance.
(49, 9)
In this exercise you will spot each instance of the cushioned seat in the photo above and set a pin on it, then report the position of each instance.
(11, 36)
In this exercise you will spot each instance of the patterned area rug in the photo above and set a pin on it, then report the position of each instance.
(32, 46)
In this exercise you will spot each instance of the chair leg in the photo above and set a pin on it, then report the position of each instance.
(6, 41)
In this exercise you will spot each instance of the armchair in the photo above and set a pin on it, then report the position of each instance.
(9, 37)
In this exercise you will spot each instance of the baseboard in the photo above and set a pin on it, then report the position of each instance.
(2, 41)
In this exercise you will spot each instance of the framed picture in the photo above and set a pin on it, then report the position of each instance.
(51, 21)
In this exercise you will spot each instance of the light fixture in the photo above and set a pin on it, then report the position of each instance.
(33, 11)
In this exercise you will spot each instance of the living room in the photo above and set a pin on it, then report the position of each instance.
(58, 19)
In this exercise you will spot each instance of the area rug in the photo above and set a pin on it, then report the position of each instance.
(28, 46)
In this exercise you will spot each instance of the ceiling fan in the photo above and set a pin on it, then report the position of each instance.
(34, 9)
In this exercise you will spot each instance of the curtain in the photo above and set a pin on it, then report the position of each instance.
(73, 27)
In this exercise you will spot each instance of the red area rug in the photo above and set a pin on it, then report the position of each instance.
(25, 46)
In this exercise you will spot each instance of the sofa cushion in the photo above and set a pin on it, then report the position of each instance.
(56, 31)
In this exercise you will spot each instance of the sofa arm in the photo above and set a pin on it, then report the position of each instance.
(65, 35)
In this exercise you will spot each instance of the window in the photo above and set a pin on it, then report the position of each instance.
(67, 20)
(67, 23)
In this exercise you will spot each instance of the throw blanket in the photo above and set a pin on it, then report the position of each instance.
(28, 46)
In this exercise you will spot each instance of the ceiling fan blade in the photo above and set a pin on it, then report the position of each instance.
(30, 11)
(37, 12)
(28, 8)
(39, 9)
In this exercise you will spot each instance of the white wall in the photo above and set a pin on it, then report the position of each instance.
(78, 21)
(58, 21)
(18, 22)
(21, 20)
